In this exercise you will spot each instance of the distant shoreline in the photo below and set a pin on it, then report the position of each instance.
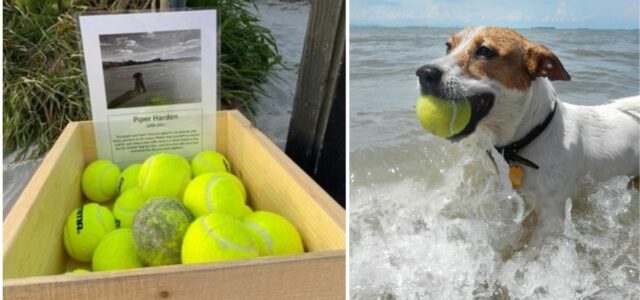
(372, 26)
(115, 64)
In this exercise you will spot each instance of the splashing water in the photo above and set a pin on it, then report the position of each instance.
(429, 219)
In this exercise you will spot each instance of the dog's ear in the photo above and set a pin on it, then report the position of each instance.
(543, 63)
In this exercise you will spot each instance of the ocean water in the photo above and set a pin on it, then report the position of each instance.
(288, 24)
(427, 216)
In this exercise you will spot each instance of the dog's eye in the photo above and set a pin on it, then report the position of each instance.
(485, 52)
(448, 46)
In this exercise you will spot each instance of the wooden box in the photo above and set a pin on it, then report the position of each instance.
(35, 261)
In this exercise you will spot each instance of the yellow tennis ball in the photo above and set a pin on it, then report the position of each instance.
(116, 251)
(217, 237)
(246, 211)
(79, 272)
(215, 192)
(443, 118)
(127, 205)
(273, 234)
(164, 175)
(100, 181)
(209, 161)
(128, 178)
(158, 229)
(84, 229)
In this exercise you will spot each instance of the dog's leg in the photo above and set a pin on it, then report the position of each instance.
(634, 183)
(529, 227)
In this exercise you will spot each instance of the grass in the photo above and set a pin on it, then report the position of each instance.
(44, 82)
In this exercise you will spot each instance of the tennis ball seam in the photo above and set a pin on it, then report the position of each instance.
(211, 232)
(265, 235)
(147, 173)
(452, 122)
(126, 211)
(100, 220)
(101, 177)
(210, 185)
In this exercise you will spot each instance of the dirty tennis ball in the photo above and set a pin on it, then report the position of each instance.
(127, 205)
(84, 229)
(116, 251)
(158, 229)
(273, 234)
(128, 178)
(217, 237)
(164, 175)
(100, 180)
(209, 161)
(218, 192)
(443, 118)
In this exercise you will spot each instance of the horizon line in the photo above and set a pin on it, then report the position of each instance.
(463, 26)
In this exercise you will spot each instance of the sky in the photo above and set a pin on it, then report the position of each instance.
(597, 14)
(146, 46)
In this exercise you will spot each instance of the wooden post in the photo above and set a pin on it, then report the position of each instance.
(316, 140)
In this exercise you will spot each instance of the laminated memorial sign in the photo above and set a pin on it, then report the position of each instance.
(152, 80)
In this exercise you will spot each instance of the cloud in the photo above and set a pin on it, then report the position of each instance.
(513, 16)
(560, 14)
(524, 13)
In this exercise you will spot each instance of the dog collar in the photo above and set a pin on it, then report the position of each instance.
(510, 152)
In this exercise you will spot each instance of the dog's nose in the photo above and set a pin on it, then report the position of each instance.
(429, 74)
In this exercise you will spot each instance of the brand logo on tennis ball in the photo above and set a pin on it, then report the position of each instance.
(226, 165)
(79, 220)
(120, 182)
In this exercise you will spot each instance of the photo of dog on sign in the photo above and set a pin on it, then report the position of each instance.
(492, 162)
(151, 68)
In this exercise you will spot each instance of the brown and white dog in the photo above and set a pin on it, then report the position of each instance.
(507, 79)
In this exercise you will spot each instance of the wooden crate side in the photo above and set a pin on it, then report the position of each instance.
(275, 183)
(33, 229)
(308, 276)
(222, 132)
(88, 141)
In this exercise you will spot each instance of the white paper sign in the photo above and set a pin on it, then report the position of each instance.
(152, 82)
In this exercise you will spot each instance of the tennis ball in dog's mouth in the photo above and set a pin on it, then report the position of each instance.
(443, 118)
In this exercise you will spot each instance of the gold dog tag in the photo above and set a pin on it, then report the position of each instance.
(515, 176)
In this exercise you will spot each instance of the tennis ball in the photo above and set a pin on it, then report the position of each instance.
(100, 180)
(128, 178)
(116, 251)
(164, 175)
(209, 161)
(79, 272)
(127, 205)
(217, 237)
(157, 100)
(85, 227)
(246, 211)
(273, 234)
(158, 229)
(443, 118)
(215, 192)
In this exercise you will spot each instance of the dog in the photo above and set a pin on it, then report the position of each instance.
(507, 80)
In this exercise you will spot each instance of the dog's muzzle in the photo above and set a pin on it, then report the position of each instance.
(429, 77)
